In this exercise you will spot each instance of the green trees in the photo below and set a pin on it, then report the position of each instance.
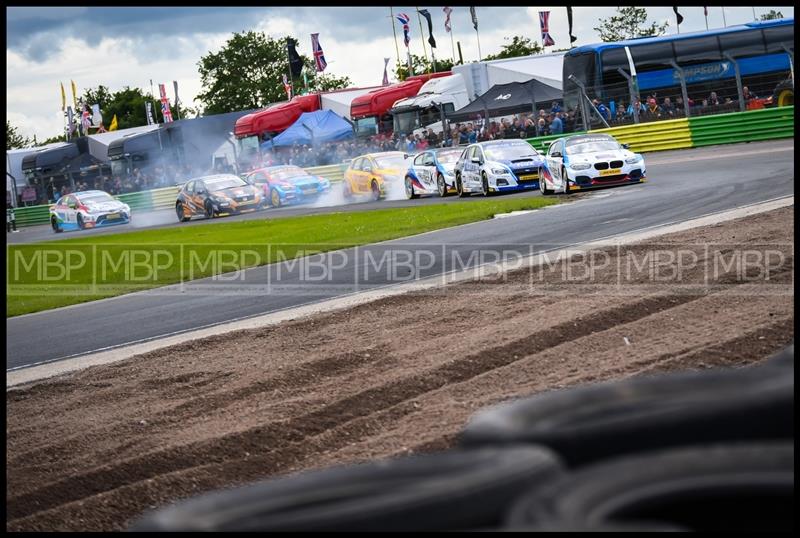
(771, 15)
(628, 23)
(247, 73)
(14, 140)
(519, 46)
(421, 66)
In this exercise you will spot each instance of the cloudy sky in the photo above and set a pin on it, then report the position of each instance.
(120, 47)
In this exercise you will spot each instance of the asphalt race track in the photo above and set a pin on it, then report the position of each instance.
(681, 185)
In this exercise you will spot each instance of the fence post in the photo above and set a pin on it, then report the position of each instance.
(684, 92)
(580, 85)
(633, 96)
(791, 61)
(742, 107)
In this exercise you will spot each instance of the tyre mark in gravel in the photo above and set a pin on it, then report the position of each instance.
(297, 430)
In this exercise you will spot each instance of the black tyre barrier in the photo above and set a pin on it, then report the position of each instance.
(589, 423)
(451, 490)
(735, 487)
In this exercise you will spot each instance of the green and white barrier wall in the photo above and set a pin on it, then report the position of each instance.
(750, 126)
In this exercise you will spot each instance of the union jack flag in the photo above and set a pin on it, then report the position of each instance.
(447, 11)
(403, 18)
(288, 87)
(319, 57)
(544, 22)
(165, 112)
(85, 121)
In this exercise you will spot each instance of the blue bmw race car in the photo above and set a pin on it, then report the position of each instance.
(498, 166)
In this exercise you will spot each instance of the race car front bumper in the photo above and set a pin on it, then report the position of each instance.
(588, 179)
(514, 182)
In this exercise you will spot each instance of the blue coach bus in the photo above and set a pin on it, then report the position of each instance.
(764, 51)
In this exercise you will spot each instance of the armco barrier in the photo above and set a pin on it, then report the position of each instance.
(542, 143)
(332, 172)
(764, 124)
(30, 216)
(655, 136)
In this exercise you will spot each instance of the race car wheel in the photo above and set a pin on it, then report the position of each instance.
(543, 185)
(441, 186)
(209, 210)
(56, 228)
(181, 215)
(460, 187)
(410, 189)
(81, 224)
(376, 191)
(485, 185)
(566, 180)
(275, 198)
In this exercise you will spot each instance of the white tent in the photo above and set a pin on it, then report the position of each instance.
(98, 143)
(480, 76)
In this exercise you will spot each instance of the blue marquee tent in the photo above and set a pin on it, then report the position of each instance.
(313, 128)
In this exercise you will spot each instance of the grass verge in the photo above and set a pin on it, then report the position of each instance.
(42, 276)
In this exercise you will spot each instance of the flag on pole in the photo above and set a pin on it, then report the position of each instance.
(175, 87)
(74, 95)
(403, 18)
(474, 18)
(85, 119)
(148, 107)
(447, 12)
(385, 72)
(165, 111)
(295, 61)
(70, 120)
(113, 126)
(319, 56)
(97, 116)
(572, 38)
(678, 15)
(63, 98)
(544, 23)
(287, 87)
(425, 13)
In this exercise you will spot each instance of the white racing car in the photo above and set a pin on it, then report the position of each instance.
(88, 209)
(497, 166)
(586, 161)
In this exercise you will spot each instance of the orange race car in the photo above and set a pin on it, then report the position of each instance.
(210, 196)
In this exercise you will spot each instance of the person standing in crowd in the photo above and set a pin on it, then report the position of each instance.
(668, 108)
(637, 103)
(713, 100)
(472, 135)
(556, 125)
(602, 109)
(410, 144)
(653, 111)
(747, 94)
(541, 127)
(555, 107)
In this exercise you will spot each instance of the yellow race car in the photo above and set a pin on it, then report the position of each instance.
(375, 174)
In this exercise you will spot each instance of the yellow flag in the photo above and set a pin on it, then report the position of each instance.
(74, 95)
(63, 98)
(113, 126)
